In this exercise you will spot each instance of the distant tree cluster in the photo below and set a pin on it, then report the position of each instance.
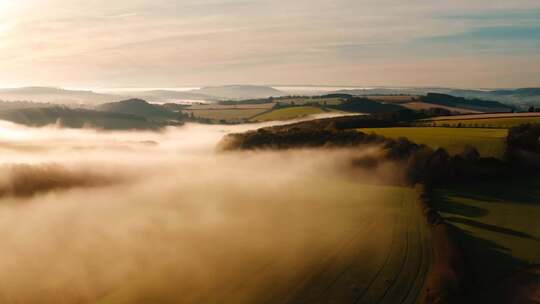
(297, 138)
(365, 105)
(523, 145)
(460, 102)
(246, 101)
(421, 163)
(336, 95)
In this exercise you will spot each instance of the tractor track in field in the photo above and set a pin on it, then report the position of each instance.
(386, 262)
(297, 295)
(345, 268)
(406, 283)
(423, 265)
(402, 258)
(409, 280)
(397, 277)
(378, 278)
(414, 263)
(405, 256)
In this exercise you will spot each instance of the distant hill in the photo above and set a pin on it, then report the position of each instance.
(520, 98)
(525, 92)
(83, 97)
(13, 105)
(140, 108)
(239, 91)
(56, 96)
(170, 96)
(175, 107)
(461, 102)
(389, 91)
(78, 118)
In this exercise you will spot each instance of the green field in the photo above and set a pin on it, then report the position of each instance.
(306, 100)
(379, 253)
(230, 113)
(288, 113)
(499, 226)
(489, 142)
(506, 122)
(225, 114)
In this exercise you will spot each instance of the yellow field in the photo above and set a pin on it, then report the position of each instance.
(489, 142)
(225, 114)
(288, 113)
(489, 120)
(383, 248)
(305, 100)
(418, 106)
(502, 122)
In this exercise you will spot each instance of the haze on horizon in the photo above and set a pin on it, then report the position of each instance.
(149, 43)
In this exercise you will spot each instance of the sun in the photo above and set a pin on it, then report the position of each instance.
(6, 15)
(4, 4)
(6, 7)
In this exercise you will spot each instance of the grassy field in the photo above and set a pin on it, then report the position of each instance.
(229, 113)
(394, 98)
(306, 100)
(489, 142)
(225, 114)
(485, 116)
(413, 103)
(381, 255)
(498, 226)
(288, 113)
(488, 122)
(264, 106)
(418, 106)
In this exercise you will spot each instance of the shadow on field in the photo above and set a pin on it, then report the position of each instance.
(521, 191)
(491, 228)
(444, 205)
(486, 264)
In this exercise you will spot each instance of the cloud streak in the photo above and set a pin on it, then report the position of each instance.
(170, 43)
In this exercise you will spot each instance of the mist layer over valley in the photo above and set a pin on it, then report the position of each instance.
(139, 217)
(269, 152)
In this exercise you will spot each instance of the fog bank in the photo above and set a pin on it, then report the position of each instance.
(139, 217)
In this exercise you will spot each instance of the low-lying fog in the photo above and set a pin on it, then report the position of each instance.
(143, 217)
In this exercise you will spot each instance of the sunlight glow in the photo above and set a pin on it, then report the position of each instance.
(12, 132)
(5, 5)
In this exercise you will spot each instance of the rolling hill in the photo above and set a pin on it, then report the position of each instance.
(239, 91)
(461, 102)
(364, 105)
(87, 97)
(170, 96)
(140, 108)
(518, 97)
(521, 98)
(78, 118)
(12, 105)
(56, 96)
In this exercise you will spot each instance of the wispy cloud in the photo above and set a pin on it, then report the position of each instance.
(500, 15)
(509, 34)
(167, 42)
(121, 16)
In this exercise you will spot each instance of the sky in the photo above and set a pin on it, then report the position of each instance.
(166, 43)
